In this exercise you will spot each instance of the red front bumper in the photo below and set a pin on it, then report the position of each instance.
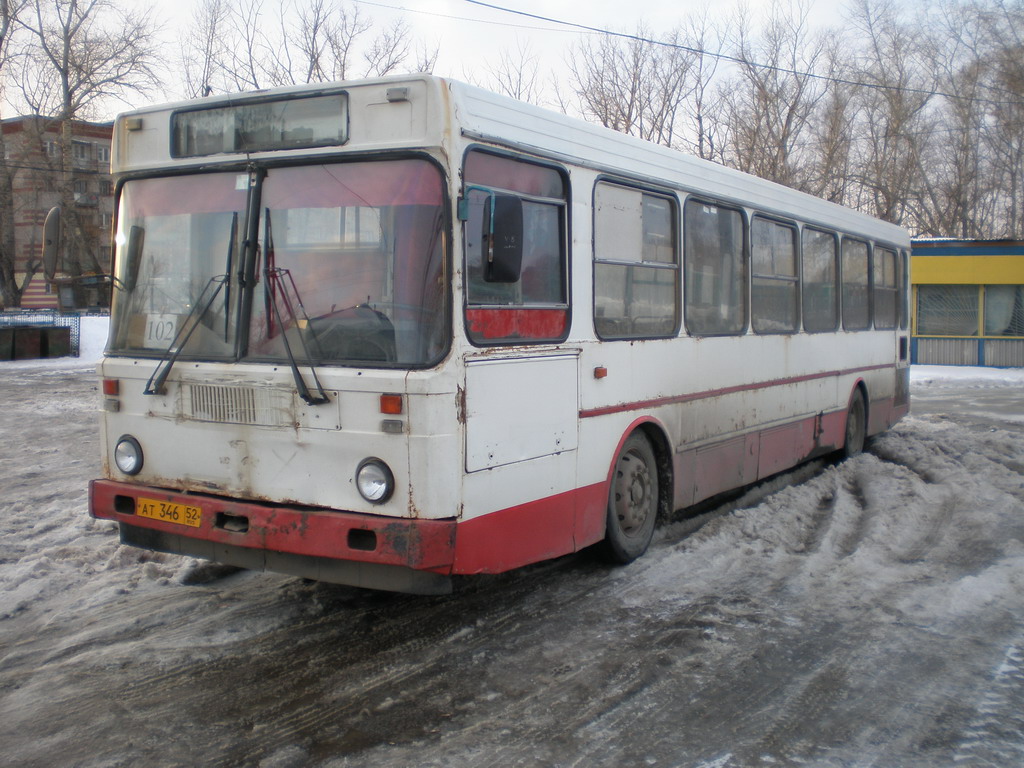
(422, 545)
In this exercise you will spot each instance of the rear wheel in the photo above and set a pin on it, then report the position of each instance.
(856, 425)
(632, 501)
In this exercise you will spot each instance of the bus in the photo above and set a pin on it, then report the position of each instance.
(388, 332)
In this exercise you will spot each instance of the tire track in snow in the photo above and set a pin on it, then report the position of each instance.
(996, 734)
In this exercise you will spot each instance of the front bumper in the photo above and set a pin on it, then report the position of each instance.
(397, 554)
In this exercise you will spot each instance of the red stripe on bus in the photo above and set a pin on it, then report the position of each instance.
(531, 532)
(707, 394)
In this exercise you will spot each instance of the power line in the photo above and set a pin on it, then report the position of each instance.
(460, 18)
(739, 59)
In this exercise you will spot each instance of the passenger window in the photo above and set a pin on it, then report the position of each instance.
(856, 314)
(884, 287)
(533, 307)
(904, 290)
(820, 281)
(636, 264)
(715, 270)
(774, 292)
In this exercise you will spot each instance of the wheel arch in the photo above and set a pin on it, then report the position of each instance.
(858, 392)
(657, 436)
(861, 386)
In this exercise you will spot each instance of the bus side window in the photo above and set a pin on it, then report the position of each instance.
(820, 270)
(775, 297)
(884, 288)
(904, 290)
(529, 303)
(715, 272)
(856, 305)
(636, 264)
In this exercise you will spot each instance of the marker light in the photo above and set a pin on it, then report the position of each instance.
(128, 455)
(375, 481)
(391, 404)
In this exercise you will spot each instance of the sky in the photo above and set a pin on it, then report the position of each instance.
(471, 37)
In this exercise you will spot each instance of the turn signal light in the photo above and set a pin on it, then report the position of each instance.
(111, 387)
(391, 405)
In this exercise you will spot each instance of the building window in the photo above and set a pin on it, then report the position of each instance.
(715, 271)
(80, 150)
(1004, 310)
(947, 310)
(636, 263)
(774, 304)
(106, 187)
(81, 186)
(102, 154)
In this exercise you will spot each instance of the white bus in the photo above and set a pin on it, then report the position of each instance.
(385, 332)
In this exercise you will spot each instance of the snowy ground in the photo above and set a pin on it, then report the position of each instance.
(857, 614)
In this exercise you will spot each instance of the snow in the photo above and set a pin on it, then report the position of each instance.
(844, 614)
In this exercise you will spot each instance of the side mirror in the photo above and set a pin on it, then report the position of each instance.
(503, 238)
(51, 242)
(133, 253)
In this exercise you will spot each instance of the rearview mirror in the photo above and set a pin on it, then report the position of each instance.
(133, 253)
(503, 238)
(51, 242)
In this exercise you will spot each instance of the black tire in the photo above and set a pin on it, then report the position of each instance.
(856, 425)
(632, 501)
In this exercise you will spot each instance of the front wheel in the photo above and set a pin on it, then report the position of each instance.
(632, 501)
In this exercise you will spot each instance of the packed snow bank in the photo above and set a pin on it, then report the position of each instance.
(925, 376)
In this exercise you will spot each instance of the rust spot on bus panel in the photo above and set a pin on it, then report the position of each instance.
(399, 538)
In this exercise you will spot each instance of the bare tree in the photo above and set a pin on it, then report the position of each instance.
(632, 85)
(894, 122)
(10, 290)
(389, 50)
(832, 132)
(1003, 25)
(77, 53)
(704, 134)
(234, 47)
(203, 48)
(517, 73)
(772, 100)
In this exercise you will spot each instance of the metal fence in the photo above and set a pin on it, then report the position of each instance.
(45, 318)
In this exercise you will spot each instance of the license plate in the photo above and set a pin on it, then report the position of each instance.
(168, 512)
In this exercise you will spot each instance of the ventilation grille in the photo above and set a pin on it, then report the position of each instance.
(238, 405)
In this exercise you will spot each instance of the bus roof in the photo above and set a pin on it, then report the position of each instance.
(424, 111)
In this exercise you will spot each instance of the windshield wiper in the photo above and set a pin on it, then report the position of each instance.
(232, 236)
(274, 279)
(155, 385)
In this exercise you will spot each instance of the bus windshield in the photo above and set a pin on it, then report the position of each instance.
(349, 267)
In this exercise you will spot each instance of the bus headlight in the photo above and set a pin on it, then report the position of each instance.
(375, 481)
(128, 455)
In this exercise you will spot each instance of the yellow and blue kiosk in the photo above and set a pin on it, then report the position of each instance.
(968, 302)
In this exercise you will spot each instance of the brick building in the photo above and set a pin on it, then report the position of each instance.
(33, 152)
